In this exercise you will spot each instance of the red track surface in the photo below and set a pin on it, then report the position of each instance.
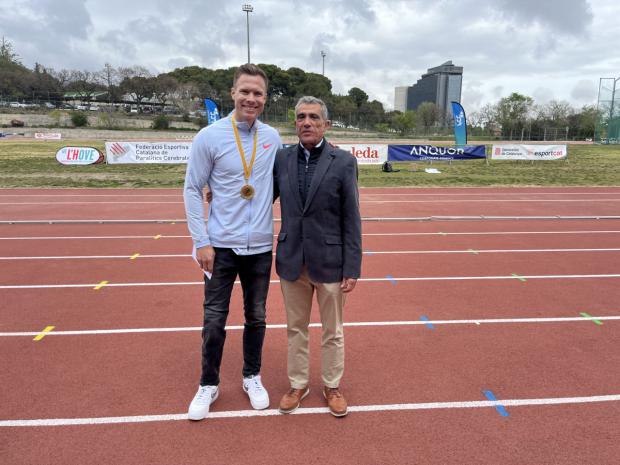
(155, 373)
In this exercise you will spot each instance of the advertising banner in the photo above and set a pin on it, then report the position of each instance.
(460, 124)
(212, 112)
(432, 152)
(367, 154)
(47, 135)
(147, 152)
(528, 152)
(79, 156)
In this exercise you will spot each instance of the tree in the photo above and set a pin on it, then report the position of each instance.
(139, 87)
(164, 86)
(358, 96)
(7, 55)
(513, 112)
(403, 122)
(428, 114)
(83, 84)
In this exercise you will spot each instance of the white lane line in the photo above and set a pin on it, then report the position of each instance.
(353, 324)
(361, 201)
(318, 410)
(276, 281)
(373, 252)
(481, 233)
(363, 194)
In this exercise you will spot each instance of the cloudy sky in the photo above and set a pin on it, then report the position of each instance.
(547, 49)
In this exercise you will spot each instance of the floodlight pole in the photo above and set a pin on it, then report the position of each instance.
(323, 55)
(248, 9)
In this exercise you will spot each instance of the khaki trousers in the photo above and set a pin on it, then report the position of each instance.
(298, 303)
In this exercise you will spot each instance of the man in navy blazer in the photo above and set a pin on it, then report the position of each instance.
(319, 249)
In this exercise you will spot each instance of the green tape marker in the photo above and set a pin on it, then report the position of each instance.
(475, 252)
(591, 318)
(520, 278)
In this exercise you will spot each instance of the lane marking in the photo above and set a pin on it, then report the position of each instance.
(43, 333)
(366, 252)
(352, 324)
(591, 318)
(101, 221)
(520, 278)
(318, 410)
(277, 281)
(498, 406)
(180, 202)
(378, 194)
(480, 233)
(134, 256)
(428, 323)
(100, 285)
(391, 279)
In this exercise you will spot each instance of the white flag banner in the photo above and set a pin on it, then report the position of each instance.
(147, 152)
(367, 154)
(47, 135)
(528, 152)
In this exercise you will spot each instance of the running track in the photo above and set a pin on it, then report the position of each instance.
(469, 340)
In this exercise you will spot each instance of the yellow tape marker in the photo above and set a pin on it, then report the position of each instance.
(174, 222)
(100, 285)
(134, 256)
(43, 333)
(157, 237)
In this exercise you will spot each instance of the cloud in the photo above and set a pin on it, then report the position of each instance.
(504, 46)
(584, 92)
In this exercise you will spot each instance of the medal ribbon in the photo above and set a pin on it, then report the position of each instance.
(247, 171)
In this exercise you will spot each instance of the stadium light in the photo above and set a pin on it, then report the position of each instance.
(248, 9)
(323, 55)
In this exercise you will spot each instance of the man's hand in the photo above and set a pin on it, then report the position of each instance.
(205, 256)
(348, 284)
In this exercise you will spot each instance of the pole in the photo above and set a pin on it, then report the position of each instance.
(247, 17)
(323, 55)
(248, 9)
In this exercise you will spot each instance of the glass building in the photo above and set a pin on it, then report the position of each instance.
(440, 85)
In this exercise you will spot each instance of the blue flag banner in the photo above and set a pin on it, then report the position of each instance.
(432, 152)
(460, 124)
(212, 113)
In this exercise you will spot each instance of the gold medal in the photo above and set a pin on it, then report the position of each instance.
(247, 192)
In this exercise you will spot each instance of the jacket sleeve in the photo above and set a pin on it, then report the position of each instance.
(196, 178)
(351, 222)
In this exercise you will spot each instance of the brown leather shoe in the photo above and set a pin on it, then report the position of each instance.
(335, 401)
(292, 399)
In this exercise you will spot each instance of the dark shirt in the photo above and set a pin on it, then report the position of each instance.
(306, 168)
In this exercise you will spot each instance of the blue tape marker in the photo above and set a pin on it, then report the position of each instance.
(425, 318)
(500, 408)
(391, 279)
(368, 252)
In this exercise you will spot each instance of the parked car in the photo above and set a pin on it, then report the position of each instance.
(49, 105)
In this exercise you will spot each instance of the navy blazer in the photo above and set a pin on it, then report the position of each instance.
(325, 234)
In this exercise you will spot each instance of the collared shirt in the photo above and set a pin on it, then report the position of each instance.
(246, 226)
(306, 164)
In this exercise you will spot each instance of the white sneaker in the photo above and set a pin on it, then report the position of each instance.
(256, 392)
(199, 408)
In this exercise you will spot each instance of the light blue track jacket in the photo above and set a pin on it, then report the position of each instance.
(214, 160)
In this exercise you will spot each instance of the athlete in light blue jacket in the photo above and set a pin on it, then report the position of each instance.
(234, 157)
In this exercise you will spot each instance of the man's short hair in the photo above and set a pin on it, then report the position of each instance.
(309, 100)
(251, 70)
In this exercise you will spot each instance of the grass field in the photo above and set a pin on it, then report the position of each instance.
(33, 164)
